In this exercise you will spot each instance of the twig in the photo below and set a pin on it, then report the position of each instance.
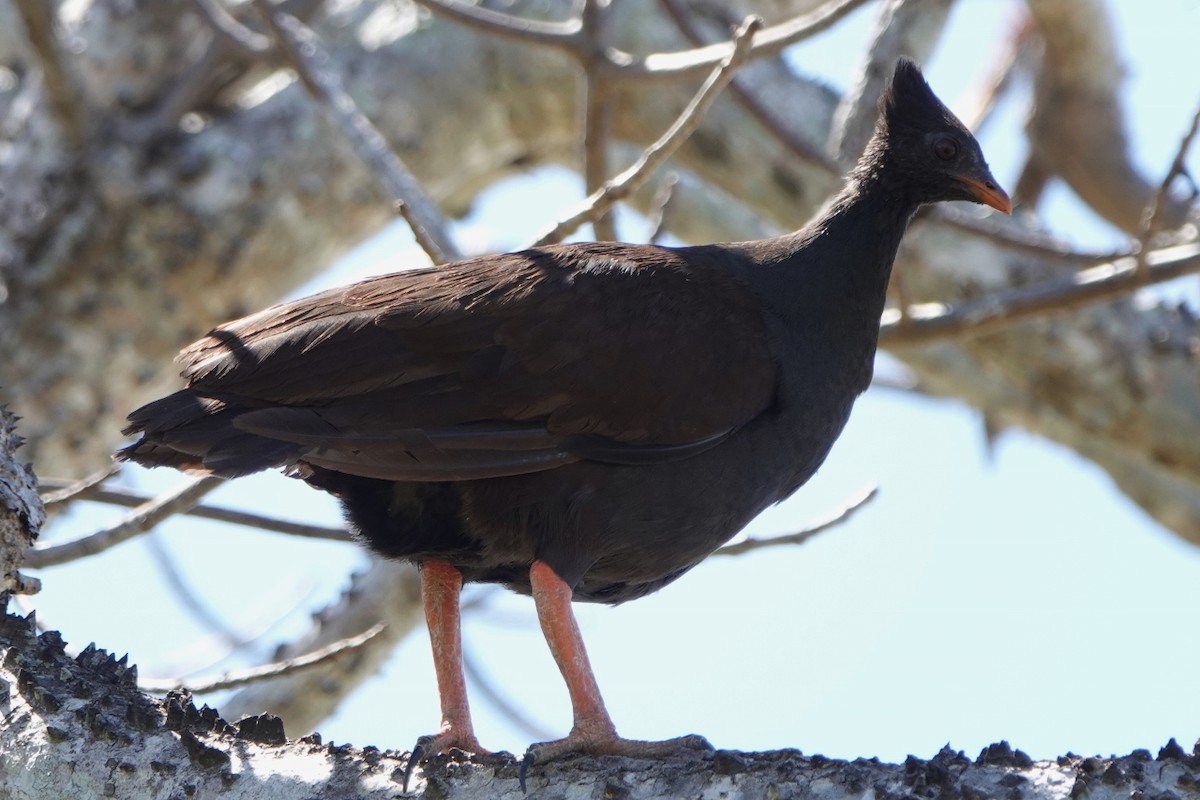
(205, 652)
(488, 689)
(682, 64)
(131, 499)
(660, 208)
(1104, 282)
(234, 679)
(234, 33)
(598, 109)
(563, 35)
(304, 53)
(749, 101)
(137, 522)
(74, 489)
(1017, 239)
(187, 596)
(1151, 220)
(1016, 50)
(836, 517)
(62, 90)
(621, 186)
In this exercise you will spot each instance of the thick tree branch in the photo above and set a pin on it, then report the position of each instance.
(21, 512)
(1077, 127)
(78, 727)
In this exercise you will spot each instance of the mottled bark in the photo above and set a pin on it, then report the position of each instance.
(78, 727)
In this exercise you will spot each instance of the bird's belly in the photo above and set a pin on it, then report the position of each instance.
(620, 532)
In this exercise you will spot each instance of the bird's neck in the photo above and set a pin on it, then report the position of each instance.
(847, 250)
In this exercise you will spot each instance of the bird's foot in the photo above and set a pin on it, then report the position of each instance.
(607, 743)
(448, 741)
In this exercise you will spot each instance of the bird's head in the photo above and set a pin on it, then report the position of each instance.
(921, 140)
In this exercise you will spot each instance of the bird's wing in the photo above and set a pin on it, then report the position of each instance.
(500, 365)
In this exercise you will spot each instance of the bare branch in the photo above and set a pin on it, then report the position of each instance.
(598, 109)
(624, 184)
(132, 499)
(304, 53)
(1104, 282)
(65, 96)
(1152, 221)
(233, 680)
(74, 490)
(836, 517)
(1017, 51)
(137, 522)
(177, 583)
(660, 211)
(234, 33)
(771, 41)
(1018, 239)
(487, 688)
(564, 35)
(682, 64)
(801, 148)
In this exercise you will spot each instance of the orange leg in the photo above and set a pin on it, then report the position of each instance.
(593, 730)
(441, 585)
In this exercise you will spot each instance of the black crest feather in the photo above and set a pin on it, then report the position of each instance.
(909, 102)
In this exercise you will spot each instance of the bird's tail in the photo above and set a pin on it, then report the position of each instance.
(197, 433)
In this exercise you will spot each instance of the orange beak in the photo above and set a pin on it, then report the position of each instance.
(988, 192)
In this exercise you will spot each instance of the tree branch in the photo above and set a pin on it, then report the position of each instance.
(624, 184)
(563, 35)
(765, 116)
(62, 90)
(597, 109)
(303, 51)
(239, 678)
(21, 514)
(66, 491)
(836, 517)
(1152, 220)
(137, 522)
(231, 31)
(131, 499)
(1104, 282)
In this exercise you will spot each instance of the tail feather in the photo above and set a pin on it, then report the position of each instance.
(195, 432)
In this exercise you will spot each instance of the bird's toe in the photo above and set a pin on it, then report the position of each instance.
(447, 742)
(578, 743)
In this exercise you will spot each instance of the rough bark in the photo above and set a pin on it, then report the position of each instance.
(78, 727)
(21, 511)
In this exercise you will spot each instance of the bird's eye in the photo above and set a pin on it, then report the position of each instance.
(945, 148)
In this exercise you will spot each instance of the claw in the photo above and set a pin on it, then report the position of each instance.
(436, 743)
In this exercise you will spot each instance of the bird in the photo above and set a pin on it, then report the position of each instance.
(577, 422)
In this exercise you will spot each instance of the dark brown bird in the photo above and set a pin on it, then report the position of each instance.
(584, 421)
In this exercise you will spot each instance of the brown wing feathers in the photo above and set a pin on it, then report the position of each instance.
(499, 365)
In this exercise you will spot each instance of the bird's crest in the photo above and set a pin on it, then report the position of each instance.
(908, 102)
